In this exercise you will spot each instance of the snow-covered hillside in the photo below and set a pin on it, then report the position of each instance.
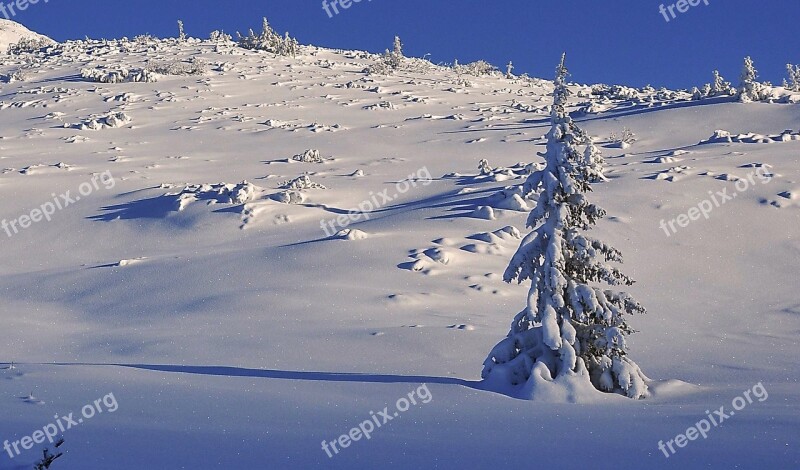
(11, 32)
(264, 255)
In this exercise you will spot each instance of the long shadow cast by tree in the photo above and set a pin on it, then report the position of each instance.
(226, 371)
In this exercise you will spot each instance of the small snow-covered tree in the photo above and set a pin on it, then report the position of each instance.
(397, 47)
(749, 88)
(390, 61)
(484, 168)
(570, 330)
(720, 86)
(219, 36)
(479, 68)
(793, 83)
(395, 58)
(181, 32)
(594, 162)
(624, 140)
(292, 46)
(269, 41)
(309, 156)
(29, 46)
(510, 70)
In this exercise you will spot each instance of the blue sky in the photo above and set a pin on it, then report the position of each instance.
(616, 41)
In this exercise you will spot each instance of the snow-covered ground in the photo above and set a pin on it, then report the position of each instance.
(227, 328)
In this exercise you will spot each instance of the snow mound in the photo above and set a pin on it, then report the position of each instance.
(128, 262)
(32, 400)
(489, 173)
(289, 197)
(222, 193)
(484, 212)
(725, 137)
(119, 75)
(109, 121)
(671, 388)
(510, 199)
(665, 160)
(309, 156)
(350, 235)
(490, 249)
(572, 387)
(508, 233)
(300, 183)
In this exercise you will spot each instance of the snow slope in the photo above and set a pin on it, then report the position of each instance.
(11, 32)
(234, 332)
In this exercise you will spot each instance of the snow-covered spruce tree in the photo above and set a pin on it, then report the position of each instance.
(397, 47)
(593, 161)
(749, 88)
(218, 36)
(390, 61)
(720, 86)
(181, 32)
(793, 84)
(571, 333)
(484, 168)
(269, 41)
(394, 59)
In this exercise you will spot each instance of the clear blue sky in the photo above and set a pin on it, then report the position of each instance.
(613, 41)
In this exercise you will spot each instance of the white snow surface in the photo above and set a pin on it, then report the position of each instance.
(235, 333)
